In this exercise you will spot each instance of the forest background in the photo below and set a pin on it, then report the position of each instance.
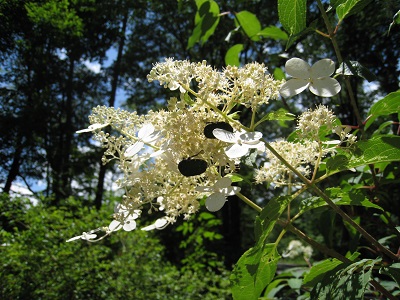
(59, 59)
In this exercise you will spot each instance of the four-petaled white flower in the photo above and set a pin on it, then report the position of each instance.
(220, 190)
(124, 219)
(159, 224)
(85, 236)
(146, 135)
(242, 142)
(93, 127)
(316, 78)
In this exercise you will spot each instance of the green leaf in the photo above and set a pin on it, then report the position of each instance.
(254, 270)
(249, 23)
(396, 21)
(335, 3)
(318, 270)
(346, 281)
(352, 197)
(339, 197)
(274, 33)
(268, 216)
(292, 15)
(206, 21)
(384, 107)
(350, 67)
(235, 177)
(292, 38)
(383, 148)
(279, 74)
(393, 271)
(350, 7)
(280, 114)
(232, 55)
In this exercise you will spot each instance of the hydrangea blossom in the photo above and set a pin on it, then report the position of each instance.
(180, 137)
(296, 248)
(85, 236)
(93, 127)
(124, 218)
(220, 190)
(159, 224)
(316, 78)
(146, 135)
(241, 142)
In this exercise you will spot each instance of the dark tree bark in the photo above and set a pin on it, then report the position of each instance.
(114, 86)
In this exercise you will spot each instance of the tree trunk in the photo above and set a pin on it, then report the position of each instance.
(61, 179)
(14, 170)
(114, 86)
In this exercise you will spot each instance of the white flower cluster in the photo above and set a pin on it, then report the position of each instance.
(171, 159)
(300, 155)
(307, 150)
(296, 248)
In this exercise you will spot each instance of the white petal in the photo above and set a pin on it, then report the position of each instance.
(152, 137)
(93, 127)
(148, 228)
(325, 87)
(225, 136)
(129, 225)
(298, 68)
(145, 131)
(293, 87)
(230, 191)
(251, 137)
(204, 189)
(157, 153)
(255, 145)
(215, 202)
(88, 236)
(74, 238)
(173, 85)
(236, 151)
(322, 68)
(114, 225)
(133, 149)
(161, 223)
(222, 183)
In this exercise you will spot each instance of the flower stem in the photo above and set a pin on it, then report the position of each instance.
(330, 252)
(213, 107)
(249, 202)
(332, 36)
(336, 208)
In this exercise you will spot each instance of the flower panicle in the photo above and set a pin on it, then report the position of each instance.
(170, 159)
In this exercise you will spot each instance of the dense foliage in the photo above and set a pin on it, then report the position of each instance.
(59, 59)
(36, 263)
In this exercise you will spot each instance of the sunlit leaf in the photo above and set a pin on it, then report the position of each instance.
(254, 270)
(249, 23)
(350, 7)
(206, 21)
(232, 55)
(273, 32)
(383, 148)
(292, 15)
(384, 107)
(279, 74)
(280, 114)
